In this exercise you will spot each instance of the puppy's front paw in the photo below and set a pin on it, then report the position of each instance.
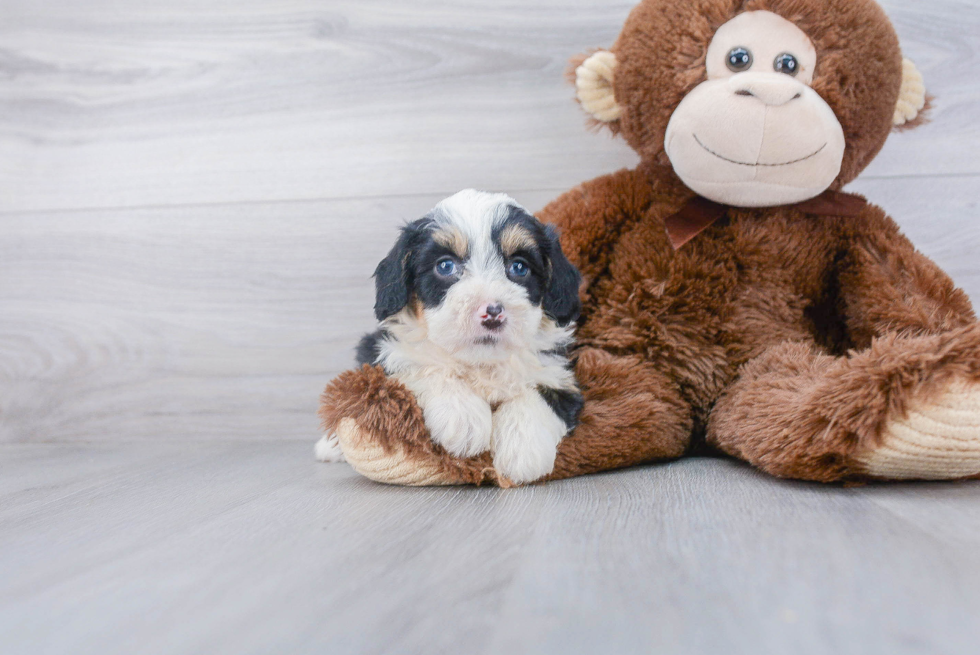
(525, 439)
(459, 422)
(327, 449)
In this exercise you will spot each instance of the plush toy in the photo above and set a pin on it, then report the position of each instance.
(733, 297)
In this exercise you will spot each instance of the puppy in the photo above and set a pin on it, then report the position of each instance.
(476, 304)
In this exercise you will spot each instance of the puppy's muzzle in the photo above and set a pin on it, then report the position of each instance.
(493, 317)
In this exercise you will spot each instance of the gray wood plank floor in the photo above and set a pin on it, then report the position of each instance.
(253, 548)
(192, 198)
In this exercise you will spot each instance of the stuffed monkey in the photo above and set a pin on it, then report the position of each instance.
(734, 299)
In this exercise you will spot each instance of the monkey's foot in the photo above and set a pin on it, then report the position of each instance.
(402, 466)
(938, 438)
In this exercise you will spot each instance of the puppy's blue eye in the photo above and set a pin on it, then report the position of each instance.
(519, 268)
(446, 267)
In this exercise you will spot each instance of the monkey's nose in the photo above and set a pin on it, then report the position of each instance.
(772, 89)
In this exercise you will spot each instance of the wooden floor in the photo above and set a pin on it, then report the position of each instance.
(254, 548)
(192, 198)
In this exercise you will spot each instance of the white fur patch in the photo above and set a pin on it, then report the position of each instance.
(458, 419)
(475, 213)
(526, 434)
(327, 449)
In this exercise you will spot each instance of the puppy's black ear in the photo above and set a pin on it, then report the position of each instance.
(392, 277)
(560, 300)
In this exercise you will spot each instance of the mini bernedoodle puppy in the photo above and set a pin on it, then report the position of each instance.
(476, 303)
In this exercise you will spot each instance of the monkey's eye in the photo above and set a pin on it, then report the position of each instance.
(739, 59)
(446, 267)
(786, 63)
(519, 268)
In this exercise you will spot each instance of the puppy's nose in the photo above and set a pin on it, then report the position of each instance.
(493, 316)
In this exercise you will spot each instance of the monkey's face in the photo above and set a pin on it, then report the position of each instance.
(754, 102)
(754, 134)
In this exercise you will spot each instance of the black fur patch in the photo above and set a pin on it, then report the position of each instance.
(536, 281)
(561, 301)
(565, 351)
(567, 405)
(393, 276)
(369, 348)
(429, 287)
(553, 282)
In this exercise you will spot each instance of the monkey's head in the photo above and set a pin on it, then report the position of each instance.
(755, 103)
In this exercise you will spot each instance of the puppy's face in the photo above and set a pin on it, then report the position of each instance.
(481, 274)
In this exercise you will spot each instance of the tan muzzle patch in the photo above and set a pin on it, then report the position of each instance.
(450, 236)
(515, 238)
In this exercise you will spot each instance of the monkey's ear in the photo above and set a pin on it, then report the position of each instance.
(912, 98)
(594, 86)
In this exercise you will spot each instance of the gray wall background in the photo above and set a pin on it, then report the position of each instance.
(193, 195)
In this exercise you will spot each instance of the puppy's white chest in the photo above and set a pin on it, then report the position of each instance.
(498, 383)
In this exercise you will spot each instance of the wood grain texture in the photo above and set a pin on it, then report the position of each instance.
(192, 198)
(200, 322)
(107, 104)
(252, 548)
(129, 312)
(227, 321)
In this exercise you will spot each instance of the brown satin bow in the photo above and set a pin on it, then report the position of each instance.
(700, 213)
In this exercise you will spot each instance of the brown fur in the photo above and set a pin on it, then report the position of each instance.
(387, 411)
(661, 59)
(515, 238)
(784, 336)
(450, 237)
(799, 413)
(624, 398)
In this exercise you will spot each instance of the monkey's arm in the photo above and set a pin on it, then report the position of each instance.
(887, 286)
(633, 414)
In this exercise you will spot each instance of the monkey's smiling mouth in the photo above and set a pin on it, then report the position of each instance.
(742, 163)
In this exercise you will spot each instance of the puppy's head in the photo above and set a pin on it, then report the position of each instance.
(482, 274)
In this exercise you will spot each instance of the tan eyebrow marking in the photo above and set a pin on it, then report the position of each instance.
(449, 236)
(514, 238)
